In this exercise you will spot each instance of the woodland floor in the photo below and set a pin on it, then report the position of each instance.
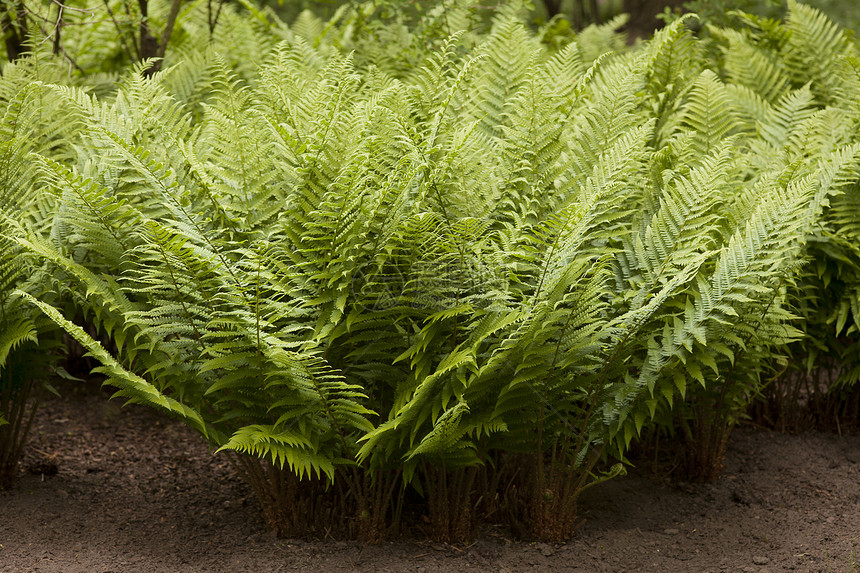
(135, 491)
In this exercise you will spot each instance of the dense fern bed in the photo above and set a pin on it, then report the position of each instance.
(449, 286)
(137, 491)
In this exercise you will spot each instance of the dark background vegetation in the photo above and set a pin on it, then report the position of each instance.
(645, 15)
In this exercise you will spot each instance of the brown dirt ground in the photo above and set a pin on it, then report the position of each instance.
(135, 491)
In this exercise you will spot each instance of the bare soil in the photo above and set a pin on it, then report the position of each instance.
(105, 489)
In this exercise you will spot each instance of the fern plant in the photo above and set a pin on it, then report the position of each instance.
(29, 346)
(807, 117)
(476, 273)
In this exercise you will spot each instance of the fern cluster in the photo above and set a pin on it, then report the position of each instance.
(30, 345)
(826, 294)
(360, 275)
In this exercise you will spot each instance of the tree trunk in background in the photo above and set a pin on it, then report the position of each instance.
(580, 12)
(14, 26)
(148, 43)
(553, 7)
(643, 15)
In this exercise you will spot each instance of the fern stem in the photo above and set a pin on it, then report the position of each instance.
(179, 296)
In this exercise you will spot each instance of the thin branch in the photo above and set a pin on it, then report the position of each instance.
(213, 21)
(66, 7)
(71, 60)
(168, 29)
(217, 15)
(56, 47)
(120, 34)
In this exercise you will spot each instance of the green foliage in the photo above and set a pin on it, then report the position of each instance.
(28, 345)
(354, 272)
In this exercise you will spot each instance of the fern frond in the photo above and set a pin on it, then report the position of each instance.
(753, 66)
(708, 112)
(785, 117)
(814, 52)
(499, 74)
(283, 447)
(134, 388)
